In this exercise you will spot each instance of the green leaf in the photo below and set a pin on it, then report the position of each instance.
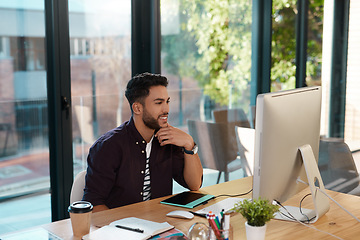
(257, 212)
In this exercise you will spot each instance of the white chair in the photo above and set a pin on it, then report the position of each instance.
(245, 138)
(77, 190)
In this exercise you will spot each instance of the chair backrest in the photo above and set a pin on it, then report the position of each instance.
(216, 141)
(77, 190)
(236, 115)
(245, 138)
(337, 165)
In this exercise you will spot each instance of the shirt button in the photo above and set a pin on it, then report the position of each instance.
(142, 172)
(142, 151)
(143, 141)
(141, 193)
(137, 142)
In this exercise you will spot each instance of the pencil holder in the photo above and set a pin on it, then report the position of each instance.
(202, 231)
(221, 234)
(198, 231)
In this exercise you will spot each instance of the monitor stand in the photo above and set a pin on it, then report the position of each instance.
(316, 185)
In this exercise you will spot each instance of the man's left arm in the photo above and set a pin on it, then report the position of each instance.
(193, 170)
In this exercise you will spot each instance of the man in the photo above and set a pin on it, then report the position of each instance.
(138, 160)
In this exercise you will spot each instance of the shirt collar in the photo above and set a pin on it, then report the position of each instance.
(134, 132)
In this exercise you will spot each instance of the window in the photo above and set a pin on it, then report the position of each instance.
(4, 47)
(28, 53)
(24, 147)
(100, 47)
(206, 55)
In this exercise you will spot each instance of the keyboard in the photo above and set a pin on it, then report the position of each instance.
(226, 205)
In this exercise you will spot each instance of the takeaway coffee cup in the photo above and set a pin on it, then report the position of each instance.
(80, 214)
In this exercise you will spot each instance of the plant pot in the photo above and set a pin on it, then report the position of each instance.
(254, 232)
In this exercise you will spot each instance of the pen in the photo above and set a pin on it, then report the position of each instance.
(217, 222)
(199, 214)
(213, 226)
(130, 229)
(222, 219)
(222, 213)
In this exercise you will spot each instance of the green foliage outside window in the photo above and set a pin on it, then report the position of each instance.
(214, 47)
(218, 34)
(283, 52)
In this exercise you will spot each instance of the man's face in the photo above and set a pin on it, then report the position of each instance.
(156, 108)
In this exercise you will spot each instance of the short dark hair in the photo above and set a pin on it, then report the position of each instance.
(138, 87)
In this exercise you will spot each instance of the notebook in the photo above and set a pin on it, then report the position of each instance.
(188, 199)
(111, 232)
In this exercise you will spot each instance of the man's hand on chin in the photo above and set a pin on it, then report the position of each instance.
(173, 135)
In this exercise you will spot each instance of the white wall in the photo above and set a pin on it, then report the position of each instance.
(352, 111)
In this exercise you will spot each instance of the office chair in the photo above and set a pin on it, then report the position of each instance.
(217, 146)
(337, 166)
(77, 189)
(236, 115)
(245, 138)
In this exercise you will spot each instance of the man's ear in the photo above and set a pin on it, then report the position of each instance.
(137, 107)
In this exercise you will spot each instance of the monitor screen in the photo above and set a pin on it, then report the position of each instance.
(285, 121)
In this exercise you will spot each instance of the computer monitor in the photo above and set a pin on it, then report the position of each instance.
(286, 121)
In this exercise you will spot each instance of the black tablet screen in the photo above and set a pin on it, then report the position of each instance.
(186, 198)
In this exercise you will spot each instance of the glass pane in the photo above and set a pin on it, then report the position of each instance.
(352, 112)
(206, 55)
(284, 44)
(283, 52)
(315, 42)
(352, 116)
(100, 47)
(24, 148)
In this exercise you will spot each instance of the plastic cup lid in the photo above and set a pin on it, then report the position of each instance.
(80, 207)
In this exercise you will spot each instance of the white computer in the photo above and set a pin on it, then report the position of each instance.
(287, 134)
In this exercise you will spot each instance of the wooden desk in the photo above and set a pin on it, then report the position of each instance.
(336, 221)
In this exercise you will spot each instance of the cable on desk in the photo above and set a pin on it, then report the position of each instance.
(302, 222)
(327, 195)
(308, 220)
(290, 216)
(236, 195)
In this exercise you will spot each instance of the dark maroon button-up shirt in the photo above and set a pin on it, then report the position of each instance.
(116, 166)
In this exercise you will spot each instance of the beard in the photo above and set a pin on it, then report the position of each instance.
(150, 121)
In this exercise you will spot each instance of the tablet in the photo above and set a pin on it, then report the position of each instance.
(188, 199)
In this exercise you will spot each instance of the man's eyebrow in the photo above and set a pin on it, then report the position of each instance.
(161, 99)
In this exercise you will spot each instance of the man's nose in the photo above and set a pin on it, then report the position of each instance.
(166, 107)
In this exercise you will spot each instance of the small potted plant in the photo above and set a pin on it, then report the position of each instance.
(257, 213)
